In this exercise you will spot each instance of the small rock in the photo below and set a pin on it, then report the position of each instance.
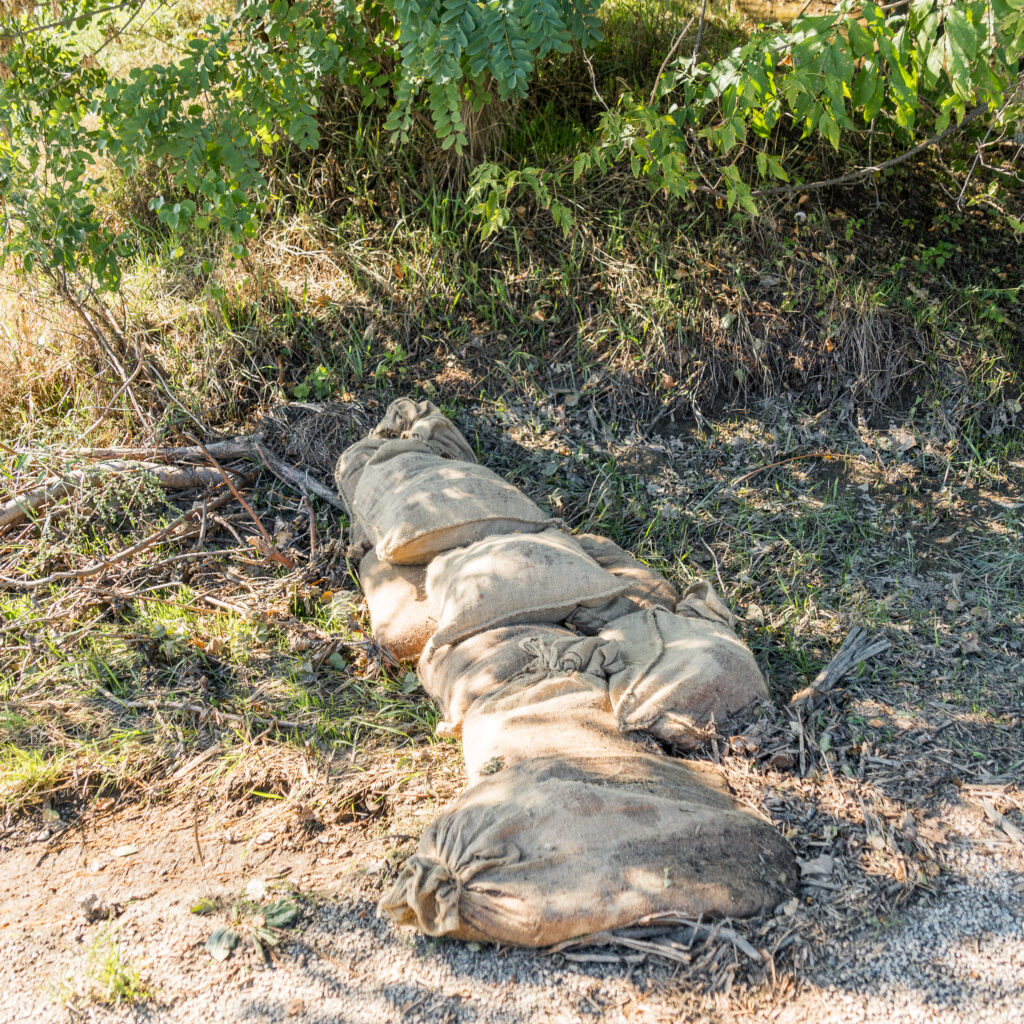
(256, 888)
(263, 838)
(969, 644)
(95, 908)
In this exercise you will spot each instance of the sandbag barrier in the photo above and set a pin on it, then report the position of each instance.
(560, 661)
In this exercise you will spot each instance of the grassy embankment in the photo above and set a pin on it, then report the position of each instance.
(885, 305)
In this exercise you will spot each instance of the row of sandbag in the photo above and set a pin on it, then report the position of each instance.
(558, 660)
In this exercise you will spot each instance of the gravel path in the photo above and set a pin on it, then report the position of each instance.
(954, 955)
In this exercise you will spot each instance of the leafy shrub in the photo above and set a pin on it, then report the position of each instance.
(250, 82)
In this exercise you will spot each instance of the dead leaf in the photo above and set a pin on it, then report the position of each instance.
(969, 644)
(823, 864)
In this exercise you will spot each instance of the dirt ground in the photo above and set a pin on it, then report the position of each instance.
(902, 793)
(952, 950)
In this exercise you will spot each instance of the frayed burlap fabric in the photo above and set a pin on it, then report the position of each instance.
(513, 579)
(414, 504)
(679, 676)
(423, 421)
(646, 587)
(401, 615)
(549, 849)
(700, 600)
(456, 675)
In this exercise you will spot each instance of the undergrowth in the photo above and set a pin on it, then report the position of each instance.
(880, 305)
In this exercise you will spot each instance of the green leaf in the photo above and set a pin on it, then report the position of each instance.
(221, 943)
(862, 41)
(203, 906)
(281, 913)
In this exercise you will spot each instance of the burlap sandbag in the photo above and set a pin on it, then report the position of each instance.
(349, 471)
(456, 675)
(513, 579)
(401, 616)
(425, 422)
(679, 676)
(414, 505)
(647, 588)
(550, 850)
(557, 706)
(700, 600)
(351, 464)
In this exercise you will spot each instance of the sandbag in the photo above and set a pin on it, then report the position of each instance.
(456, 675)
(700, 600)
(549, 850)
(401, 615)
(349, 471)
(557, 706)
(414, 505)
(679, 676)
(509, 580)
(423, 421)
(565, 717)
(647, 588)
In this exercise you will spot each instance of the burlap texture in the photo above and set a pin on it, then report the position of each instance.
(700, 599)
(557, 706)
(549, 850)
(414, 505)
(679, 675)
(646, 587)
(458, 674)
(401, 615)
(424, 422)
(513, 579)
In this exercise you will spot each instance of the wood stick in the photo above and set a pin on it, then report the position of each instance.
(298, 478)
(233, 448)
(857, 647)
(106, 563)
(172, 477)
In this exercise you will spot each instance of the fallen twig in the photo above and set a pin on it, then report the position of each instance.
(669, 948)
(106, 563)
(857, 647)
(298, 478)
(174, 478)
(268, 549)
(233, 448)
(206, 711)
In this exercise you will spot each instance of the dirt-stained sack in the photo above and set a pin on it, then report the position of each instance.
(508, 580)
(456, 675)
(647, 588)
(549, 850)
(414, 505)
(679, 675)
(557, 706)
(424, 422)
(401, 615)
(700, 600)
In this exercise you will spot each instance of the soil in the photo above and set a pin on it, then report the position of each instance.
(952, 951)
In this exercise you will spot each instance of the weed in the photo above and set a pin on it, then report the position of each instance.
(107, 979)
